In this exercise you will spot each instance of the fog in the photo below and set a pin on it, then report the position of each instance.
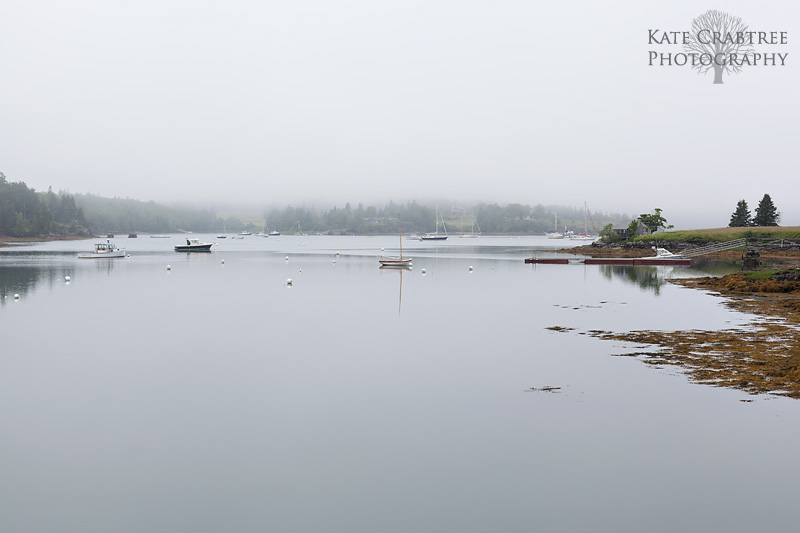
(327, 101)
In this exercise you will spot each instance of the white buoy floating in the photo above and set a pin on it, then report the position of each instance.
(169, 267)
(287, 257)
(470, 268)
(337, 254)
(67, 279)
(222, 262)
(301, 270)
(423, 271)
(288, 282)
(16, 296)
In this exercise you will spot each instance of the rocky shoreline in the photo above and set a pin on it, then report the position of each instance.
(781, 255)
(761, 358)
(18, 241)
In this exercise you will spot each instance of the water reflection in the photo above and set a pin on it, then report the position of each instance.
(399, 270)
(23, 279)
(22, 271)
(649, 278)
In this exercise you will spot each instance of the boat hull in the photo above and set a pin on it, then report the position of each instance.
(395, 262)
(109, 255)
(190, 248)
(433, 238)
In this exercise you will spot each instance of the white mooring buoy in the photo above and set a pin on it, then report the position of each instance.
(470, 268)
(169, 267)
(423, 271)
(223, 261)
(67, 279)
(16, 296)
(288, 282)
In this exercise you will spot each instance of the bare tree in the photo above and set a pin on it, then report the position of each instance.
(714, 37)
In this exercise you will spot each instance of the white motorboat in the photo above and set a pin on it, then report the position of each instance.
(104, 250)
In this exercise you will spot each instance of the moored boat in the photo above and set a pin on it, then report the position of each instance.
(436, 236)
(194, 245)
(395, 262)
(104, 250)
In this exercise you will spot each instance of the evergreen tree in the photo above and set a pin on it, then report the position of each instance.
(741, 217)
(766, 213)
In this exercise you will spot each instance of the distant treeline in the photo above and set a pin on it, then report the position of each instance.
(26, 213)
(123, 215)
(417, 218)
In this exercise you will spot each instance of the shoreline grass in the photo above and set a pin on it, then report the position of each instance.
(700, 236)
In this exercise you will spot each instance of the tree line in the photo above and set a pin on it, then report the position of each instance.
(26, 213)
(419, 218)
(766, 214)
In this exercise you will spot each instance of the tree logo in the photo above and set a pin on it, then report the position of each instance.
(718, 42)
(719, 35)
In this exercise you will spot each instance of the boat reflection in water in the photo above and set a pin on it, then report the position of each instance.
(400, 269)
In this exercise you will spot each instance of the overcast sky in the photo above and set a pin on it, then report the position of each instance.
(327, 101)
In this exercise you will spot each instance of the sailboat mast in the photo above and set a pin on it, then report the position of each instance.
(585, 227)
(400, 233)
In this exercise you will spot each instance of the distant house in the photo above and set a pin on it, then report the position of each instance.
(621, 229)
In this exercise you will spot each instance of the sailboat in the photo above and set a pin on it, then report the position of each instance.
(555, 234)
(472, 234)
(396, 261)
(585, 236)
(223, 235)
(436, 236)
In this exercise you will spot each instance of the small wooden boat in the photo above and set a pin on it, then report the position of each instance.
(104, 250)
(396, 262)
(194, 245)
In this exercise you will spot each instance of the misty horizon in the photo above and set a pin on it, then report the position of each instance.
(325, 103)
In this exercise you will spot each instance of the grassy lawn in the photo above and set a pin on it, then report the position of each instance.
(723, 234)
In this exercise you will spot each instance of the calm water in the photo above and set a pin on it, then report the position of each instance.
(214, 397)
